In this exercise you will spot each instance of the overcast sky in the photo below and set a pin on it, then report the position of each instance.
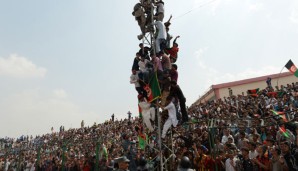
(66, 61)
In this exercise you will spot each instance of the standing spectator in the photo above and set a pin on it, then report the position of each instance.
(174, 73)
(113, 116)
(177, 93)
(129, 116)
(172, 118)
(82, 124)
(268, 81)
(160, 41)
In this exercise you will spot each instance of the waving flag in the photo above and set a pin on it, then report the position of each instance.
(292, 68)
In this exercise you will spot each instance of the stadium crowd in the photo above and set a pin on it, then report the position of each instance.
(256, 132)
(246, 135)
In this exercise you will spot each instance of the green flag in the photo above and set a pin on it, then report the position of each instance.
(142, 141)
(153, 89)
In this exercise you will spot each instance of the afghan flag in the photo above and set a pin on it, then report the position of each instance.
(272, 94)
(292, 68)
(280, 114)
(153, 89)
(284, 131)
(253, 92)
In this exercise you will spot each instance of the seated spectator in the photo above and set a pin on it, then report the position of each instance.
(138, 12)
(159, 11)
(135, 65)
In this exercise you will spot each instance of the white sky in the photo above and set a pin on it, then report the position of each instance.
(66, 61)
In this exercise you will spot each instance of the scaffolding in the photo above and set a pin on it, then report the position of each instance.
(163, 146)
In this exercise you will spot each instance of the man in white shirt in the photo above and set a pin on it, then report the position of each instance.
(6, 165)
(142, 64)
(230, 163)
(138, 12)
(148, 113)
(134, 79)
(252, 150)
(28, 165)
(172, 119)
(143, 68)
(161, 37)
(226, 136)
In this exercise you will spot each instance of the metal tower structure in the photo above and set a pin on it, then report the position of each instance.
(148, 38)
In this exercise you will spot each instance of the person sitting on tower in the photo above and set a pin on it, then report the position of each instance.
(165, 84)
(144, 51)
(166, 62)
(138, 12)
(157, 66)
(143, 65)
(135, 65)
(159, 10)
(134, 79)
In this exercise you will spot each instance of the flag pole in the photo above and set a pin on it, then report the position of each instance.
(279, 75)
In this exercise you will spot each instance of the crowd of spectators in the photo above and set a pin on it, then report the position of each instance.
(254, 132)
(245, 135)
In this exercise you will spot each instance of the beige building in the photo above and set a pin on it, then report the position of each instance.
(240, 87)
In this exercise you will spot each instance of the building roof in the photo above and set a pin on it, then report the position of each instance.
(250, 80)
